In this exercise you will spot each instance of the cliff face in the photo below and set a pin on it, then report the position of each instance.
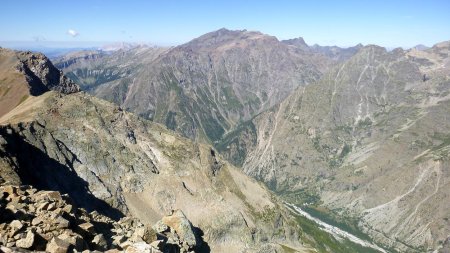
(368, 142)
(42, 76)
(28, 74)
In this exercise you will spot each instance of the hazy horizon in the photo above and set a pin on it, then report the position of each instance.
(99, 44)
(169, 23)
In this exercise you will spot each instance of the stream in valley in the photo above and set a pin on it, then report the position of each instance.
(335, 231)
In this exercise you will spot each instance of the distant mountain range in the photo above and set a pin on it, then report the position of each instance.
(205, 87)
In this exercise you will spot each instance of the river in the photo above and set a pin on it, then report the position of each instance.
(335, 231)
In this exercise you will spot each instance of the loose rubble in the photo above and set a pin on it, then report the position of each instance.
(32, 220)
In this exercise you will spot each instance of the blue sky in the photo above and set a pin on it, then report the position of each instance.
(344, 23)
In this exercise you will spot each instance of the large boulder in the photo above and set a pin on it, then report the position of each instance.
(26, 242)
(57, 245)
(183, 228)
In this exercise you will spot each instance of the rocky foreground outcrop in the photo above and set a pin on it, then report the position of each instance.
(38, 220)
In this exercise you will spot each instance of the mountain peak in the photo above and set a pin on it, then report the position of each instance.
(372, 47)
(225, 37)
(443, 44)
(298, 42)
(224, 31)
